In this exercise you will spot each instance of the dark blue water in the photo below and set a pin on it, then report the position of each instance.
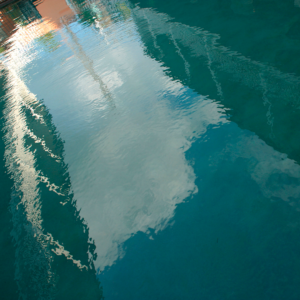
(150, 150)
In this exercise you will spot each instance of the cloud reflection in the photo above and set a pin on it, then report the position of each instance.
(129, 176)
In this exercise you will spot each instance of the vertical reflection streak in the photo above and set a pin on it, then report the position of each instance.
(32, 252)
(153, 35)
(267, 102)
(186, 64)
(212, 72)
(87, 63)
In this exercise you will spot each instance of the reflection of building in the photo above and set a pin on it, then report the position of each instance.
(15, 15)
(93, 11)
(28, 10)
(54, 10)
(7, 26)
(22, 12)
(26, 16)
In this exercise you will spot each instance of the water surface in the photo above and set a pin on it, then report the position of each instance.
(150, 149)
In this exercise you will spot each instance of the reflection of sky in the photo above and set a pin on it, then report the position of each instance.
(127, 161)
(135, 164)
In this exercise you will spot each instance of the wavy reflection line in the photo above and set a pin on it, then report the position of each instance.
(153, 36)
(186, 64)
(38, 140)
(267, 102)
(212, 72)
(60, 250)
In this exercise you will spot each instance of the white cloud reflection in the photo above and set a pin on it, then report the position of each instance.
(129, 174)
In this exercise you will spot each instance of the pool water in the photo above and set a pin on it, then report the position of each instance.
(150, 149)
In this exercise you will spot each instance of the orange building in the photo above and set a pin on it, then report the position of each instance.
(54, 10)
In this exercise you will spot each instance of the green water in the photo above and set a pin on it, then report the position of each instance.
(150, 150)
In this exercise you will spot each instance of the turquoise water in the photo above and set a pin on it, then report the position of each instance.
(150, 149)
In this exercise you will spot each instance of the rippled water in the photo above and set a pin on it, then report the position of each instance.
(150, 149)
